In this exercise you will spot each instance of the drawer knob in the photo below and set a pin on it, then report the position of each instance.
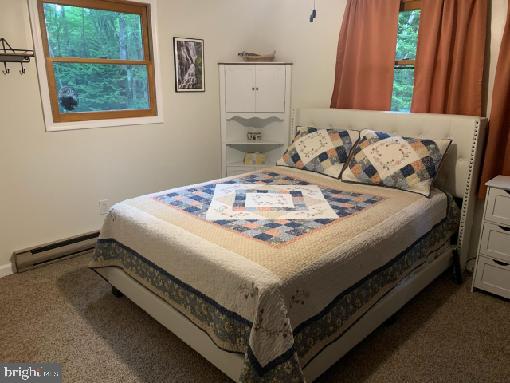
(501, 263)
(504, 228)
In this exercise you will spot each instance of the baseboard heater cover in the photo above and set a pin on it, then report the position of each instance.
(36, 256)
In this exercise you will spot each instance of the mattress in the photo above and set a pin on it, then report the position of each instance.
(275, 264)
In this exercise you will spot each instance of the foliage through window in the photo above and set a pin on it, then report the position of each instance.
(407, 39)
(98, 59)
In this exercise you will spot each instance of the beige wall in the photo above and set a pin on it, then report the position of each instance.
(498, 18)
(310, 46)
(51, 182)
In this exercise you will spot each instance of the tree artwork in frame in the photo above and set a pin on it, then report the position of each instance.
(189, 65)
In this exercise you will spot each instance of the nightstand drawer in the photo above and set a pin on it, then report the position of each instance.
(498, 206)
(493, 276)
(495, 241)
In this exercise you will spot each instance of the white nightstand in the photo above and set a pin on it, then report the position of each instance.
(492, 271)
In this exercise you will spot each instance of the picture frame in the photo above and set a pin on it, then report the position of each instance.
(189, 65)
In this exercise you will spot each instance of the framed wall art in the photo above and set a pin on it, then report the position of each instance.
(189, 65)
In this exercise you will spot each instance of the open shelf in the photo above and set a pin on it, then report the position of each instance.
(241, 163)
(255, 116)
(255, 146)
(255, 143)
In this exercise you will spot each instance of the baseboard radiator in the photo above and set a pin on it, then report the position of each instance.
(40, 255)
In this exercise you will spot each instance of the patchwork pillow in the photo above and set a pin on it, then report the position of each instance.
(319, 150)
(405, 163)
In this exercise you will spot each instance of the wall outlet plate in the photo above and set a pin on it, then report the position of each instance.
(104, 207)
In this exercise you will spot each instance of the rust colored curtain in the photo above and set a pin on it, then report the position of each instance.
(450, 57)
(497, 153)
(366, 55)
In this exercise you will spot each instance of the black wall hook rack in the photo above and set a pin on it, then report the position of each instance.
(13, 55)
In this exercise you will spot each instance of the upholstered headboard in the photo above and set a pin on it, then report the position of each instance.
(460, 170)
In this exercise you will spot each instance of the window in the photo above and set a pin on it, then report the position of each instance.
(407, 39)
(98, 59)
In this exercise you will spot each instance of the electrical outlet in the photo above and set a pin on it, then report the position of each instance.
(104, 207)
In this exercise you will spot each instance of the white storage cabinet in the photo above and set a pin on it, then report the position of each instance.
(254, 97)
(492, 271)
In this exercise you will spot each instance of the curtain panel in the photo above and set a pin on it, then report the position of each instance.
(366, 55)
(450, 57)
(497, 153)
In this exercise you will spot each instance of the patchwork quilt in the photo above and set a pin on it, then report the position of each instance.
(276, 264)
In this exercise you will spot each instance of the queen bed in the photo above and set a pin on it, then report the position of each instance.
(274, 275)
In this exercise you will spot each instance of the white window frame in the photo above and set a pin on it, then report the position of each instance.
(51, 125)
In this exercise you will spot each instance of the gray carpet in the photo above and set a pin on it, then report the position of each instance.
(65, 313)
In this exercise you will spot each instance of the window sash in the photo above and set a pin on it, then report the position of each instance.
(141, 9)
(410, 5)
(405, 63)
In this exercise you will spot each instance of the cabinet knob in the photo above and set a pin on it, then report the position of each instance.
(253, 88)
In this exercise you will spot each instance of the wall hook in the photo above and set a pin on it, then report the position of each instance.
(9, 54)
(6, 71)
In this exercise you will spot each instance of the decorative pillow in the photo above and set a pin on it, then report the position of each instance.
(405, 163)
(319, 150)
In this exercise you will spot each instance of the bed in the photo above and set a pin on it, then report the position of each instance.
(280, 293)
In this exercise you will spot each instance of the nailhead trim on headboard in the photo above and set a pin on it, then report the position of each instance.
(468, 193)
(293, 124)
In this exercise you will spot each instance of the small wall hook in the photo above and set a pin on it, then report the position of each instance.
(9, 54)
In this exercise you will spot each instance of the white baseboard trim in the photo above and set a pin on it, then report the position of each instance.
(6, 270)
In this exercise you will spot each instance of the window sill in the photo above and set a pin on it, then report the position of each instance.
(92, 124)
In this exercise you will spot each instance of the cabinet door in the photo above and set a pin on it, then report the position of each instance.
(270, 89)
(240, 88)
